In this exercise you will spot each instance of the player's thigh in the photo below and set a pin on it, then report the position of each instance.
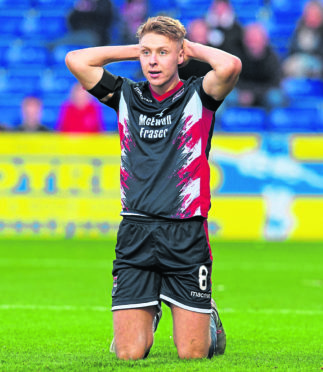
(133, 331)
(191, 332)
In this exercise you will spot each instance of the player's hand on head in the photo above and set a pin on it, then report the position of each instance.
(186, 57)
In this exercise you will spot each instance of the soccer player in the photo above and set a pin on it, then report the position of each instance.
(165, 127)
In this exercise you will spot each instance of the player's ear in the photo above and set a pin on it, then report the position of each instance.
(181, 56)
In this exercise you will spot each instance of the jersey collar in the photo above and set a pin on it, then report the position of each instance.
(167, 94)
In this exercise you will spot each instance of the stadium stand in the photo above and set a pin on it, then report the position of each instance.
(28, 66)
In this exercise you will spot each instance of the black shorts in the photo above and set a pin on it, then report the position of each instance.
(168, 260)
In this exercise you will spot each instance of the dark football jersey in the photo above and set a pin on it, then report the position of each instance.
(165, 143)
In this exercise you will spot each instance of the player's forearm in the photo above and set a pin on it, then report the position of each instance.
(100, 56)
(86, 64)
(213, 56)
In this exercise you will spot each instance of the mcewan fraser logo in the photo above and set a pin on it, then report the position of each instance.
(154, 133)
(145, 120)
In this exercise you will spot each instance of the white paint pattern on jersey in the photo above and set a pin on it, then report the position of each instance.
(125, 136)
(190, 192)
(194, 109)
(123, 121)
(191, 189)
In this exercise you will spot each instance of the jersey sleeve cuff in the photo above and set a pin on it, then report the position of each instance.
(109, 83)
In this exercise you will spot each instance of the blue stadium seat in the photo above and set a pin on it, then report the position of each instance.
(287, 7)
(280, 34)
(10, 113)
(57, 81)
(43, 26)
(16, 4)
(246, 10)
(63, 5)
(303, 87)
(50, 115)
(128, 69)
(193, 9)
(10, 25)
(59, 53)
(54, 99)
(293, 119)
(167, 6)
(319, 122)
(119, 3)
(4, 80)
(3, 55)
(22, 54)
(27, 81)
(244, 119)
(110, 119)
(13, 99)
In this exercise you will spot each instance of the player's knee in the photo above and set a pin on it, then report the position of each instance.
(193, 350)
(133, 351)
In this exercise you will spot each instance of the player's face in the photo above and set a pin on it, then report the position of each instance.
(159, 58)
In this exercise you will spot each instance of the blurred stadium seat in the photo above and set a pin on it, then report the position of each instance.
(43, 26)
(128, 69)
(50, 5)
(287, 8)
(110, 119)
(24, 54)
(9, 115)
(303, 87)
(246, 10)
(293, 119)
(166, 6)
(244, 119)
(16, 4)
(27, 81)
(58, 54)
(10, 24)
(52, 103)
(50, 115)
(56, 80)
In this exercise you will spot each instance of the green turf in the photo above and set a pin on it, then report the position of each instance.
(55, 295)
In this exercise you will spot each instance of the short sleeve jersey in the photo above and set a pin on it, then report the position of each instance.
(165, 143)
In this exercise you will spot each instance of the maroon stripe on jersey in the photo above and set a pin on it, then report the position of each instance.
(167, 94)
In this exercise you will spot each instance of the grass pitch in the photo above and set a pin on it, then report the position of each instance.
(55, 300)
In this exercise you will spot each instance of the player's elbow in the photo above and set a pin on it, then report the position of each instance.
(73, 61)
(231, 71)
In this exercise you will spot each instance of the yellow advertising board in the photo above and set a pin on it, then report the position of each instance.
(263, 186)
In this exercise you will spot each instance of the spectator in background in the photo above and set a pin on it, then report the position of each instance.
(197, 31)
(31, 111)
(306, 48)
(80, 114)
(225, 31)
(88, 24)
(133, 13)
(260, 77)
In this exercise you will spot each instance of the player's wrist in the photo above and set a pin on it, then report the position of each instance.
(189, 49)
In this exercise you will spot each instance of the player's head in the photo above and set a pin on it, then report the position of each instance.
(162, 25)
(161, 51)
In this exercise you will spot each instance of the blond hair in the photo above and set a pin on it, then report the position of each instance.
(163, 25)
